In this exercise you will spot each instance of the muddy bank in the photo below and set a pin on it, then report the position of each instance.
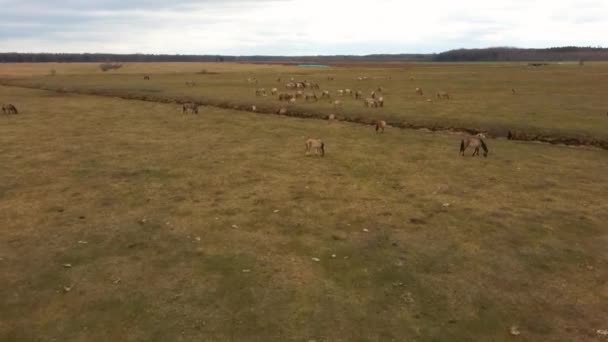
(282, 109)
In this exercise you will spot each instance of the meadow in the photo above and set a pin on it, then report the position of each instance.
(128, 220)
(556, 101)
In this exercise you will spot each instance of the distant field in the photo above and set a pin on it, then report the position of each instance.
(562, 100)
(204, 228)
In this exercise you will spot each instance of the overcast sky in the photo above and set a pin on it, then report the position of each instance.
(297, 27)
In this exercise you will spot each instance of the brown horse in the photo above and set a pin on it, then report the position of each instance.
(190, 108)
(316, 146)
(380, 126)
(475, 142)
(9, 109)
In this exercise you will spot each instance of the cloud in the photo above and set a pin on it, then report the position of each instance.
(296, 27)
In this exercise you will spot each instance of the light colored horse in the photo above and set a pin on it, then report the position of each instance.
(380, 101)
(316, 146)
(299, 94)
(331, 117)
(380, 125)
(337, 103)
(325, 93)
(282, 111)
(190, 108)
(475, 142)
(371, 103)
(274, 91)
(9, 109)
(340, 92)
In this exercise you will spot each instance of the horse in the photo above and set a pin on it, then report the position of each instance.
(380, 101)
(146, 78)
(316, 146)
(274, 91)
(9, 109)
(443, 95)
(419, 91)
(190, 107)
(358, 94)
(371, 103)
(260, 92)
(475, 142)
(286, 96)
(282, 111)
(311, 96)
(325, 93)
(337, 103)
(380, 125)
(331, 117)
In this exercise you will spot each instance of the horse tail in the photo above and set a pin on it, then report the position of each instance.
(485, 148)
(462, 146)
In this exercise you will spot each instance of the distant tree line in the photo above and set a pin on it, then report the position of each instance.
(504, 54)
(507, 54)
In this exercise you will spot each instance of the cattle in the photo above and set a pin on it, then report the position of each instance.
(274, 91)
(146, 78)
(282, 111)
(358, 94)
(325, 94)
(380, 101)
(419, 91)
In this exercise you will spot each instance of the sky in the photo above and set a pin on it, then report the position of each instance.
(297, 27)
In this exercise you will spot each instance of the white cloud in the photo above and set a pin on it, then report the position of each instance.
(296, 27)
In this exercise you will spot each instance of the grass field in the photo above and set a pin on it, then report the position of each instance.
(562, 100)
(208, 228)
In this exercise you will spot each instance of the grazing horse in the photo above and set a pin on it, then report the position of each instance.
(260, 92)
(147, 78)
(190, 108)
(9, 109)
(371, 103)
(311, 96)
(358, 94)
(316, 146)
(274, 91)
(419, 91)
(475, 142)
(286, 96)
(443, 95)
(340, 92)
(380, 126)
